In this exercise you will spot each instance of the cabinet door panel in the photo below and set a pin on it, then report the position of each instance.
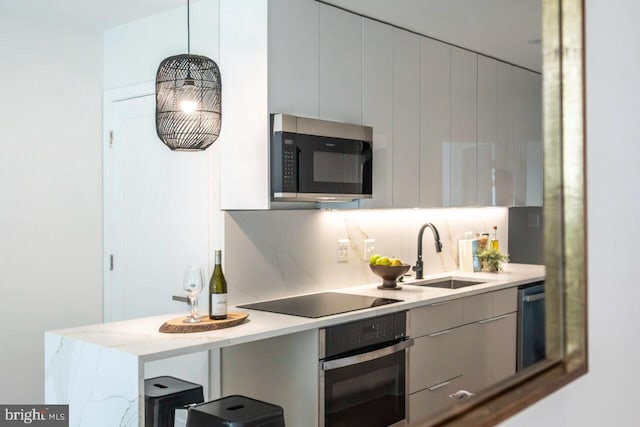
(528, 139)
(438, 357)
(293, 57)
(406, 119)
(505, 301)
(493, 355)
(435, 129)
(487, 128)
(463, 147)
(436, 317)
(426, 403)
(377, 72)
(340, 65)
(503, 167)
(477, 307)
(503, 339)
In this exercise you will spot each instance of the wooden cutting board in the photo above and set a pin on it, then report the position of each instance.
(177, 325)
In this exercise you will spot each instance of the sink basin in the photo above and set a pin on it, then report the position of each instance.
(451, 283)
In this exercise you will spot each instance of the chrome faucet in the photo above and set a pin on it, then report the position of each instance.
(419, 267)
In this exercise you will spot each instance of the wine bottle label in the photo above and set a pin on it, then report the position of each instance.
(218, 304)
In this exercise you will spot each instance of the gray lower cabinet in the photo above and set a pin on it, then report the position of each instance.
(465, 344)
(433, 399)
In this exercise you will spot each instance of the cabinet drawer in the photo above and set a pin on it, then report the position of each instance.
(477, 307)
(437, 357)
(449, 314)
(430, 401)
(436, 317)
(505, 301)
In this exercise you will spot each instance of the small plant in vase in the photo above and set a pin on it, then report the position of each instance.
(492, 259)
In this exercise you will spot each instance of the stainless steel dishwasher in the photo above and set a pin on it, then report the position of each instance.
(531, 325)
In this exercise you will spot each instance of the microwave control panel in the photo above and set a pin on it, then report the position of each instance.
(289, 166)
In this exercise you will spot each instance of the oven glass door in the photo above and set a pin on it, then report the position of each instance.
(333, 165)
(370, 393)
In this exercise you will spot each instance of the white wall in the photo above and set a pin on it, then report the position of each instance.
(608, 394)
(50, 192)
(132, 54)
(133, 51)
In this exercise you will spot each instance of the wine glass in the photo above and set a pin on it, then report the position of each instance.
(192, 285)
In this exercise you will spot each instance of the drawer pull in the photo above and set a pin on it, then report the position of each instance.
(442, 384)
(435, 334)
(493, 319)
(435, 304)
(437, 386)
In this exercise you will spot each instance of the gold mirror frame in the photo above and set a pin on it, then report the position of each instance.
(564, 228)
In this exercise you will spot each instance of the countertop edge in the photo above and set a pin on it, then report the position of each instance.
(149, 345)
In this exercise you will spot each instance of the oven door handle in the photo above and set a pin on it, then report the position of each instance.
(365, 357)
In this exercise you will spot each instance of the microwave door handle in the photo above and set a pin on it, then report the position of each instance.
(365, 357)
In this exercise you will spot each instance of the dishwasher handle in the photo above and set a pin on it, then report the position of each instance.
(366, 357)
(533, 298)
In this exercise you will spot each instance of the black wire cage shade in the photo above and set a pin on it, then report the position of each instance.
(188, 102)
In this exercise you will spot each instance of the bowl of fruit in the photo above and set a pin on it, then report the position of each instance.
(389, 269)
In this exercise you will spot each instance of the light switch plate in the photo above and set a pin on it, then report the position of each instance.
(369, 248)
(343, 250)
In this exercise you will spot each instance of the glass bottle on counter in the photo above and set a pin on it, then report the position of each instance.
(218, 290)
(494, 243)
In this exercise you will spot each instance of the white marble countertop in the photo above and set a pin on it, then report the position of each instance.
(140, 337)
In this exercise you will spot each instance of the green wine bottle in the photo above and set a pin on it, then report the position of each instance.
(218, 291)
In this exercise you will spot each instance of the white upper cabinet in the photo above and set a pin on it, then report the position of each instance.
(406, 119)
(509, 135)
(340, 65)
(487, 128)
(293, 57)
(435, 129)
(450, 127)
(528, 139)
(377, 111)
(503, 168)
(244, 178)
(463, 147)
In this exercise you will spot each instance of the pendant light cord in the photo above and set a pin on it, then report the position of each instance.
(188, 31)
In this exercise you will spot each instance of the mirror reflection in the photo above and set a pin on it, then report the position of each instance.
(451, 93)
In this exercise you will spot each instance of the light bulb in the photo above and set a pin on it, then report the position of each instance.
(188, 96)
(188, 106)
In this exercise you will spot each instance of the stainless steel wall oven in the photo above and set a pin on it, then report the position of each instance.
(362, 372)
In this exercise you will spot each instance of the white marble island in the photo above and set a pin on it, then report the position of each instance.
(99, 370)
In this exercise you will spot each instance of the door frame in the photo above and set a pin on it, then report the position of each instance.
(110, 97)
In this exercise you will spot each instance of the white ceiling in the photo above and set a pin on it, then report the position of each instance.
(97, 14)
(498, 28)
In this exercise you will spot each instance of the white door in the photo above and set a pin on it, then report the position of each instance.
(156, 214)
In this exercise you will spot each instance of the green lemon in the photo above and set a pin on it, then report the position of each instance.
(383, 261)
(373, 259)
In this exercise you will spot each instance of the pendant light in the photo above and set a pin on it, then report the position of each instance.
(188, 100)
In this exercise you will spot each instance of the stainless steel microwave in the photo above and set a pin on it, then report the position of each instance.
(319, 160)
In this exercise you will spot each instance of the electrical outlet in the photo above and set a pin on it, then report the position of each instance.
(369, 248)
(343, 250)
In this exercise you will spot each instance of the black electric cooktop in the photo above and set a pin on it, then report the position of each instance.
(319, 305)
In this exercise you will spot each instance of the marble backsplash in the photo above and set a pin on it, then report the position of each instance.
(272, 254)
